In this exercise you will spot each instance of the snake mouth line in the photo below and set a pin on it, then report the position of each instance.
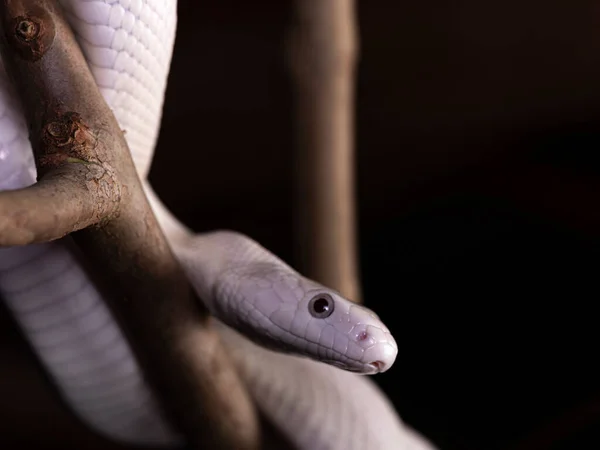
(377, 366)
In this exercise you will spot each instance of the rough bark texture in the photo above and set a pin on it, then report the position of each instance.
(88, 182)
(323, 55)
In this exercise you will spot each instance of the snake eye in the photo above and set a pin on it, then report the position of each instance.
(321, 306)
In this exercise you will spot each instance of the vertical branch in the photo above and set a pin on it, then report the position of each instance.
(323, 55)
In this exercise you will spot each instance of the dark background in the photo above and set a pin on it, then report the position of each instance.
(477, 167)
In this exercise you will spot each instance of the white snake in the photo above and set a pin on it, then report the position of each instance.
(128, 45)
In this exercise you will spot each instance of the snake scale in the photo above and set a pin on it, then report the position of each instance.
(128, 45)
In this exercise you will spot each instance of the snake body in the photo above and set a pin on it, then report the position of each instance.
(128, 45)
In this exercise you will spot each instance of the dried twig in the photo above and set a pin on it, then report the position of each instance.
(323, 56)
(87, 182)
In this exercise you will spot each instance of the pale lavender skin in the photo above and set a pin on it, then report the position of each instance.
(128, 45)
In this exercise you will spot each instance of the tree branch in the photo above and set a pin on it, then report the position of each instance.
(70, 198)
(88, 182)
(323, 55)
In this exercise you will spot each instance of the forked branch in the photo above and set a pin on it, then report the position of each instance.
(88, 182)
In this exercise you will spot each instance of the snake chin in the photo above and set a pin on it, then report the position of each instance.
(340, 365)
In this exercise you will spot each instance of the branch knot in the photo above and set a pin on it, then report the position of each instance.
(67, 137)
(27, 29)
(31, 34)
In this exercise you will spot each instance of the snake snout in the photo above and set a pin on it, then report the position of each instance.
(388, 356)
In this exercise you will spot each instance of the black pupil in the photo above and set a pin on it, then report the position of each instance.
(321, 305)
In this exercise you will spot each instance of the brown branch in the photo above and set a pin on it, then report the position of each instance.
(323, 56)
(87, 182)
(64, 201)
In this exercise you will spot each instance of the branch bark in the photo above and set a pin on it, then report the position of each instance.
(323, 53)
(87, 182)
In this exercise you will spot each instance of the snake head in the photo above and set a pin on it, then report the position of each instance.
(345, 334)
(278, 308)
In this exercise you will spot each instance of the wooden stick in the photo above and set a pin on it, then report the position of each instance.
(323, 53)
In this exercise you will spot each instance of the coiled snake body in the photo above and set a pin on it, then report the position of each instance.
(128, 45)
